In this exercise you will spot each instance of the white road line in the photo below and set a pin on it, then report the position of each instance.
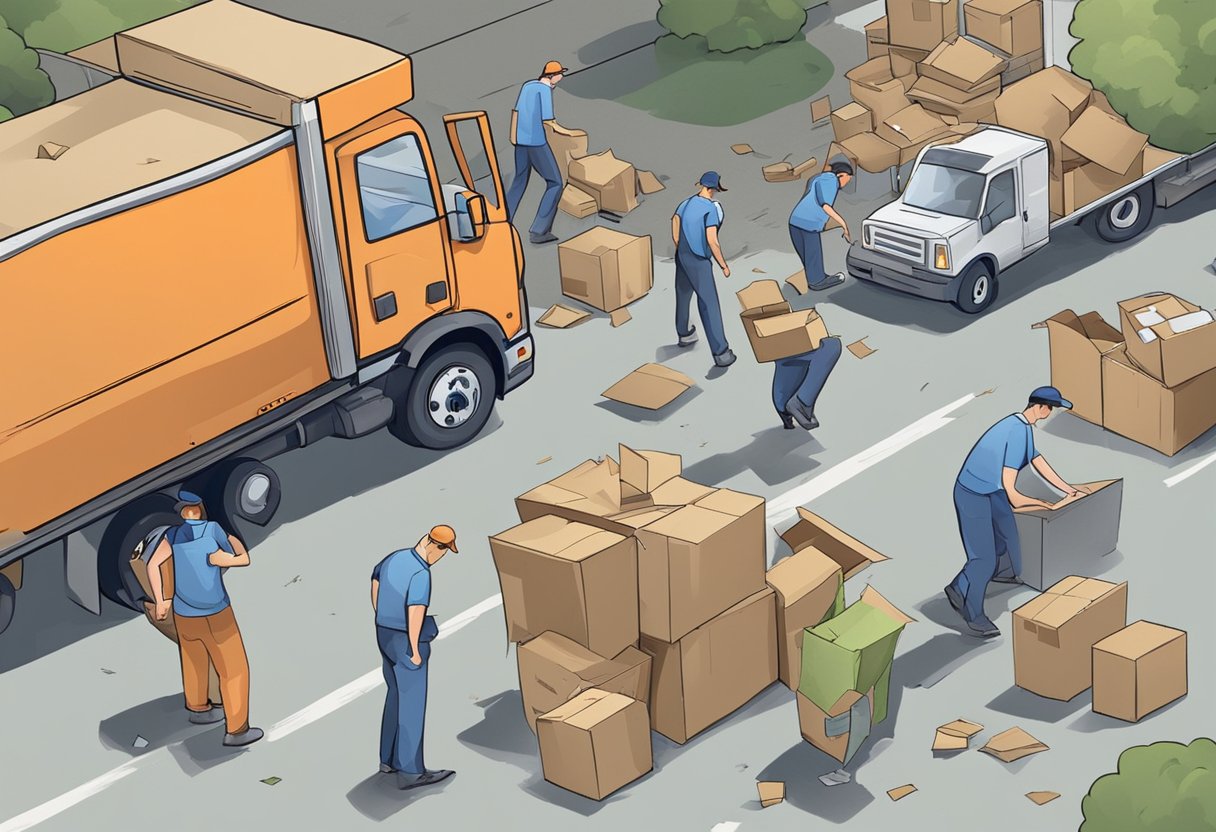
(859, 17)
(1192, 471)
(783, 506)
(321, 708)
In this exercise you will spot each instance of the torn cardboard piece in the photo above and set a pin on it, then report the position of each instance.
(576, 202)
(1014, 744)
(771, 792)
(50, 150)
(799, 282)
(1041, 798)
(954, 736)
(562, 317)
(567, 145)
(802, 168)
(651, 386)
(851, 554)
(778, 172)
(821, 108)
(742, 149)
(648, 183)
(860, 349)
(900, 792)
(620, 316)
(642, 472)
(612, 181)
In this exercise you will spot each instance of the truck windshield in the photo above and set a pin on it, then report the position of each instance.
(945, 191)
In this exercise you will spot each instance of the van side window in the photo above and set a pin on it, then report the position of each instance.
(1001, 198)
(394, 188)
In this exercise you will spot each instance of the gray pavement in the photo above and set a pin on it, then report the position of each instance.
(303, 604)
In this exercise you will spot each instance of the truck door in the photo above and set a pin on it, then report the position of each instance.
(1000, 222)
(396, 234)
(484, 251)
(1035, 211)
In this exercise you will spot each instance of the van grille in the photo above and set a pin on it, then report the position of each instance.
(904, 246)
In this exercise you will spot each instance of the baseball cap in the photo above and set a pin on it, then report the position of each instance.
(187, 498)
(551, 68)
(444, 536)
(1049, 396)
(710, 179)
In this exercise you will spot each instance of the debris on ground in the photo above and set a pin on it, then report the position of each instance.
(1042, 797)
(562, 317)
(861, 349)
(901, 792)
(798, 281)
(621, 316)
(294, 580)
(140, 742)
(648, 183)
(778, 172)
(758, 270)
(801, 169)
(107, 671)
(576, 202)
(725, 826)
(954, 736)
(1012, 745)
(923, 386)
(544, 459)
(51, 151)
(272, 781)
(651, 386)
(771, 792)
(821, 108)
(742, 149)
(741, 767)
(835, 778)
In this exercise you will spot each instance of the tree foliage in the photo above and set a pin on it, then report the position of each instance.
(64, 25)
(1163, 787)
(728, 25)
(1156, 62)
(23, 86)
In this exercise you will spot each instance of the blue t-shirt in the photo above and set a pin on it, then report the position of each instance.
(697, 214)
(405, 581)
(808, 214)
(534, 107)
(1007, 444)
(198, 586)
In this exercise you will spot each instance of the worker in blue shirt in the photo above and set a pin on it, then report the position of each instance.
(401, 593)
(985, 495)
(533, 110)
(694, 230)
(809, 218)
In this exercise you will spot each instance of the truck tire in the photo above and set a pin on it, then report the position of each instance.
(448, 401)
(1126, 217)
(242, 488)
(976, 289)
(8, 603)
(130, 527)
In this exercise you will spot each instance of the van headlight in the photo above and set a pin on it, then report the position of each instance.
(866, 233)
(941, 256)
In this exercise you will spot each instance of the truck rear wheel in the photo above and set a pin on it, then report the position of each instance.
(242, 488)
(121, 543)
(977, 288)
(1126, 217)
(8, 602)
(448, 401)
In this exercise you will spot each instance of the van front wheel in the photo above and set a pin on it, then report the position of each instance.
(977, 288)
(449, 399)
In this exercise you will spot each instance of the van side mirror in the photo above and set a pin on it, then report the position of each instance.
(986, 223)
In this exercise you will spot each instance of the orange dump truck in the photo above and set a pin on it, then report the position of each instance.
(231, 248)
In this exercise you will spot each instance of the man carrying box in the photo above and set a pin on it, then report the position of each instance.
(985, 494)
(533, 110)
(810, 216)
(694, 230)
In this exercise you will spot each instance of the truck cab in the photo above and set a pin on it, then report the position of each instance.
(969, 211)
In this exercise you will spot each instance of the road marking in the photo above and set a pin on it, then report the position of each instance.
(859, 17)
(783, 506)
(323, 707)
(1192, 471)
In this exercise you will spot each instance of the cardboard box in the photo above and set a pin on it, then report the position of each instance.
(1013, 26)
(810, 589)
(1139, 669)
(714, 670)
(933, 90)
(1138, 406)
(1077, 344)
(850, 120)
(1155, 157)
(874, 87)
(678, 491)
(1090, 183)
(812, 531)
(1106, 139)
(978, 107)
(1044, 104)
(910, 130)
(595, 743)
(840, 730)
(961, 64)
(554, 669)
(644, 471)
(1069, 536)
(1054, 633)
(588, 493)
(606, 268)
(772, 328)
(870, 153)
(1022, 68)
(571, 578)
(565, 147)
(1170, 357)
(876, 36)
(699, 560)
(577, 202)
(613, 183)
(921, 24)
(852, 651)
(904, 62)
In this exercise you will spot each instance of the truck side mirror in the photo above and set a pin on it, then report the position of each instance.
(472, 217)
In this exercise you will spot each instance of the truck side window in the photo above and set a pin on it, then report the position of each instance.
(1001, 198)
(394, 188)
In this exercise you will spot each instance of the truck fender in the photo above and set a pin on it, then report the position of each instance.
(476, 328)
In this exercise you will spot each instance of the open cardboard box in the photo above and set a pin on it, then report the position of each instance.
(1069, 537)
(1170, 357)
(774, 330)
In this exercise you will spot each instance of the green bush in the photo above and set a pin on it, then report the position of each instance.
(23, 86)
(5, 114)
(728, 25)
(64, 25)
(1156, 61)
(1163, 787)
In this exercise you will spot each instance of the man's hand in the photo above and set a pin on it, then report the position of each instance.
(848, 238)
(725, 270)
(416, 659)
(162, 610)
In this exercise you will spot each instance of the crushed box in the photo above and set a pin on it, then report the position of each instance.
(962, 64)
(921, 24)
(850, 120)
(613, 182)
(1088, 183)
(1138, 406)
(1054, 633)
(576, 202)
(566, 146)
(772, 328)
(874, 87)
(910, 130)
(596, 743)
(588, 493)
(606, 268)
(644, 471)
(554, 669)
(840, 730)
(1044, 104)
(1072, 534)
(870, 153)
(1107, 140)
(1149, 325)
(1013, 26)
(1139, 669)
(1077, 344)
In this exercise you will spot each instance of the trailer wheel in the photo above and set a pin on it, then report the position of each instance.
(1126, 217)
(977, 289)
(123, 541)
(449, 399)
(245, 489)
(8, 603)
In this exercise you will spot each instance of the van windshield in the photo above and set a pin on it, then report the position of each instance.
(945, 191)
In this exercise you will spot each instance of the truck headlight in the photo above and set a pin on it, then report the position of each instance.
(866, 231)
(941, 256)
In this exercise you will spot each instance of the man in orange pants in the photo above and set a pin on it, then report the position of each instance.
(202, 613)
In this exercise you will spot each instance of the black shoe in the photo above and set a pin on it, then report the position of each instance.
(956, 600)
(1007, 579)
(429, 778)
(983, 627)
(827, 282)
(247, 737)
(541, 239)
(804, 417)
(787, 421)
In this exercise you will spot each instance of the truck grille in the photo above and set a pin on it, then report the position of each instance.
(903, 246)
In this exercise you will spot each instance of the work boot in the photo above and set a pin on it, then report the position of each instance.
(689, 339)
(982, 626)
(429, 778)
(725, 358)
(787, 421)
(827, 282)
(247, 737)
(956, 600)
(541, 239)
(802, 414)
(210, 716)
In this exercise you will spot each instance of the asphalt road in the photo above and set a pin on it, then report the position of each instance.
(79, 691)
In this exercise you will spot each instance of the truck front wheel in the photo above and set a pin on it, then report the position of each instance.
(448, 401)
(976, 289)
(1127, 216)
(121, 544)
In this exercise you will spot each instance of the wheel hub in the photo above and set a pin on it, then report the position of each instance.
(454, 397)
(980, 291)
(1125, 212)
(255, 491)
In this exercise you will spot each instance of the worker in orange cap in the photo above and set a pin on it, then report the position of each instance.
(401, 593)
(533, 110)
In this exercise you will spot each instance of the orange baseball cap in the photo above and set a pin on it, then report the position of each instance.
(445, 536)
(553, 68)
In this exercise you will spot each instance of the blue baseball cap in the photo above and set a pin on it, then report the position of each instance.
(1049, 396)
(187, 498)
(710, 179)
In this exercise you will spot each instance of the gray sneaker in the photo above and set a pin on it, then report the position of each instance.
(247, 737)
(724, 359)
(1007, 579)
(828, 282)
(429, 778)
(210, 716)
(385, 768)
(689, 339)
(983, 626)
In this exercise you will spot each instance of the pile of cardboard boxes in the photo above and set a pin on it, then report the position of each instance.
(595, 182)
(925, 84)
(639, 600)
(1152, 381)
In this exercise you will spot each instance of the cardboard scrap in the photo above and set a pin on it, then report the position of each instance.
(860, 349)
(544, 459)
(801, 169)
(1012, 745)
(901, 792)
(798, 281)
(759, 270)
(1042, 797)
(771, 792)
(651, 386)
(953, 736)
(272, 781)
(50, 150)
(621, 316)
(821, 108)
(648, 183)
(562, 317)
(742, 149)
(778, 172)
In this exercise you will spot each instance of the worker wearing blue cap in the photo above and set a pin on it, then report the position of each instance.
(694, 230)
(985, 495)
(202, 613)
